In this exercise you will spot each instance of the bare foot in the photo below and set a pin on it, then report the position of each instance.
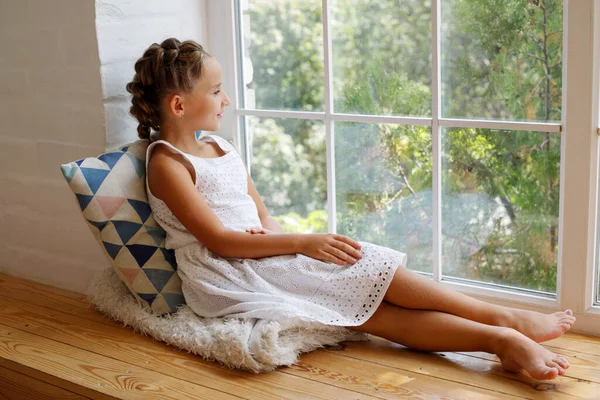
(518, 352)
(537, 326)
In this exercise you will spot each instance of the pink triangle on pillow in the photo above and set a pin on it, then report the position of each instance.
(109, 205)
(130, 274)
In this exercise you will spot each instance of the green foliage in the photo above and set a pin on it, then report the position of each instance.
(501, 59)
(316, 222)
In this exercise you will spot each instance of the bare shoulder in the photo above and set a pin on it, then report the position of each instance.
(164, 168)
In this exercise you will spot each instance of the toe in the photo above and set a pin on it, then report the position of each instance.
(568, 312)
(562, 361)
(555, 365)
(546, 373)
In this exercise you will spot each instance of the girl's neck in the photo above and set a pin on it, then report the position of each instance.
(185, 142)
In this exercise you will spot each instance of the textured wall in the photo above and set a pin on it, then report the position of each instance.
(51, 112)
(63, 71)
(125, 30)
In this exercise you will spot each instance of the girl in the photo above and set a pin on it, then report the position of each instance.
(235, 261)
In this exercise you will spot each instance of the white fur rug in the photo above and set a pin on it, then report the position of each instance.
(253, 345)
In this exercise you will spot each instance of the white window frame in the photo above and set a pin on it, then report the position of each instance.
(578, 227)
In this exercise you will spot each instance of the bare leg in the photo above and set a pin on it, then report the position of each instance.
(420, 329)
(411, 290)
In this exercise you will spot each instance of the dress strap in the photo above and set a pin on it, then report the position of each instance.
(153, 144)
(223, 143)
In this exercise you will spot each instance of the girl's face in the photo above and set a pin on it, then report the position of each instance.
(203, 107)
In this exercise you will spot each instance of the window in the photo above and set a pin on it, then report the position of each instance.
(439, 128)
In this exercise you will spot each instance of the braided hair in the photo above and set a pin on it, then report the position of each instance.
(163, 69)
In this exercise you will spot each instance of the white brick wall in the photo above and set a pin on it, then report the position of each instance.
(51, 112)
(63, 71)
(125, 29)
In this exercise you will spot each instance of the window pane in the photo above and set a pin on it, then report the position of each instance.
(500, 205)
(283, 69)
(383, 187)
(289, 171)
(382, 57)
(502, 59)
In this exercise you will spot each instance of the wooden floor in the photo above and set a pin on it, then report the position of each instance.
(53, 346)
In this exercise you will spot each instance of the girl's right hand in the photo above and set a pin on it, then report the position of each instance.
(330, 247)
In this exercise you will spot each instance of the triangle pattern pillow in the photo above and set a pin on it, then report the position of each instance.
(111, 192)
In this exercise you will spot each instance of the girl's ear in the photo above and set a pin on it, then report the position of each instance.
(176, 105)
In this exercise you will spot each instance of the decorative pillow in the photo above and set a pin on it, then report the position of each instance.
(111, 191)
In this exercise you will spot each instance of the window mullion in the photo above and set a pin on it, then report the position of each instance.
(221, 43)
(330, 141)
(575, 155)
(592, 260)
(436, 139)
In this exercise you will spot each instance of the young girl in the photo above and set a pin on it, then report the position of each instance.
(234, 260)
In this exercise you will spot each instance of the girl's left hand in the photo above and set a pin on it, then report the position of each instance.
(258, 231)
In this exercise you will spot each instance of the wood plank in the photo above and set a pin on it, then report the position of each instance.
(583, 366)
(54, 380)
(87, 370)
(29, 292)
(69, 329)
(583, 338)
(571, 342)
(17, 386)
(389, 383)
(465, 370)
(22, 290)
(143, 352)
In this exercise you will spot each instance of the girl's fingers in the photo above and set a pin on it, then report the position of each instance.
(324, 256)
(348, 241)
(342, 254)
(347, 249)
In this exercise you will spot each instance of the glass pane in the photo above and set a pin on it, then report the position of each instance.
(383, 187)
(289, 170)
(502, 59)
(283, 68)
(381, 57)
(500, 203)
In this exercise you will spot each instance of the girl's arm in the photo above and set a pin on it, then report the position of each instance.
(170, 181)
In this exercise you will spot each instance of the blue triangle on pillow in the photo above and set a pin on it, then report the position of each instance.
(112, 249)
(124, 149)
(111, 158)
(94, 177)
(139, 165)
(157, 234)
(68, 171)
(149, 297)
(198, 134)
(79, 162)
(169, 255)
(142, 208)
(141, 252)
(126, 229)
(83, 200)
(100, 225)
(158, 277)
(174, 300)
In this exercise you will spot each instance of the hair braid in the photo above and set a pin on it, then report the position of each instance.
(163, 69)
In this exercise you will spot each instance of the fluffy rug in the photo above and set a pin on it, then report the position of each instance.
(253, 345)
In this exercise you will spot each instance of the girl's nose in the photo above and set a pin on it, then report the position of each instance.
(226, 100)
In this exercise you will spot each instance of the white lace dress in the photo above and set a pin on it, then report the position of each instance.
(283, 287)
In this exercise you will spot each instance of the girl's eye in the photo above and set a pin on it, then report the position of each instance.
(217, 92)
